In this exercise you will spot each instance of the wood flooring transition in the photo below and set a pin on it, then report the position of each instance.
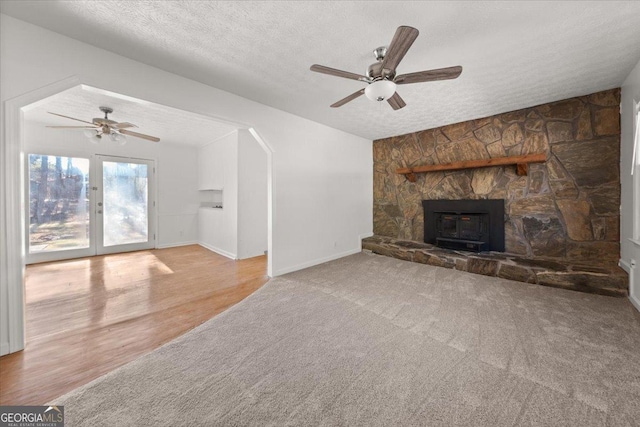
(88, 316)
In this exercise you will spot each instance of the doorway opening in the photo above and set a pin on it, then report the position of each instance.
(179, 223)
(73, 200)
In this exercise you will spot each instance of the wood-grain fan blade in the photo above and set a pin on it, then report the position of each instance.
(67, 117)
(400, 44)
(347, 99)
(338, 73)
(396, 101)
(72, 127)
(138, 135)
(429, 75)
(124, 125)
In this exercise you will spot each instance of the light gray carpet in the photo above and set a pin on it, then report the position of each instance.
(370, 340)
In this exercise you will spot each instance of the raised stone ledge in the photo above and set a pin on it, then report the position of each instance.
(544, 272)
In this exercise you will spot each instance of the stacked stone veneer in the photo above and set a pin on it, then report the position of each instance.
(585, 278)
(565, 209)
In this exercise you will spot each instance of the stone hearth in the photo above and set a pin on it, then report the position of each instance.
(578, 277)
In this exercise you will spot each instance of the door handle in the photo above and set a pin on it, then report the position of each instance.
(100, 211)
(99, 203)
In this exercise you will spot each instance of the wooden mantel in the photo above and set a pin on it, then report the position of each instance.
(521, 162)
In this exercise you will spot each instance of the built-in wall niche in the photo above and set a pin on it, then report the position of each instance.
(210, 198)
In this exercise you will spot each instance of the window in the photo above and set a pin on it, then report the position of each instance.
(58, 203)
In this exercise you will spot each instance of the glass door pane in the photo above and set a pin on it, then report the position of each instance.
(125, 199)
(59, 206)
(124, 210)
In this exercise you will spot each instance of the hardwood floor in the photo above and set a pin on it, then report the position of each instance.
(86, 317)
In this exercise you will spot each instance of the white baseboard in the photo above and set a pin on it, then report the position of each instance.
(4, 348)
(218, 251)
(625, 266)
(252, 255)
(175, 245)
(316, 262)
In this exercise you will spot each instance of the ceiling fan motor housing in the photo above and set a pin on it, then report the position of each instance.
(375, 70)
(106, 122)
(102, 122)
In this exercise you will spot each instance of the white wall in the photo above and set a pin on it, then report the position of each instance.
(219, 228)
(228, 149)
(178, 198)
(629, 250)
(322, 177)
(252, 197)
(239, 229)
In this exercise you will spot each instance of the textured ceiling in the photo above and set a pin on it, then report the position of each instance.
(514, 54)
(169, 124)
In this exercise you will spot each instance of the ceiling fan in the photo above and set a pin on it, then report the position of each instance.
(381, 76)
(99, 127)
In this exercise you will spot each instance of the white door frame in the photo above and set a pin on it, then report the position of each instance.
(12, 222)
(12, 260)
(633, 268)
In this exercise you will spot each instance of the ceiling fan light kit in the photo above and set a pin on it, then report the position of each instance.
(380, 90)
(118, 138)
(99, 127)
(381, 76)
(95, 139)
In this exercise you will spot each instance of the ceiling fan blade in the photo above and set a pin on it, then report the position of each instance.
(396, 102)
(347, 99)
(429, 75)
(72, 127)
(67, 117)
(138, 135)
(400, 44)
(338, 73)
(124, 125)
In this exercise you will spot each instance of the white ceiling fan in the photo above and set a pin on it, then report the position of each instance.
(99, 127)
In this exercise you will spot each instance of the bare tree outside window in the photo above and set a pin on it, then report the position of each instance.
(58, 203)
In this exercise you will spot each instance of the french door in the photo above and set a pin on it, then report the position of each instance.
(124, 202)
(83, 206)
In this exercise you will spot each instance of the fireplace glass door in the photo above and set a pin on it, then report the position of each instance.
(470, 227)
(449, 226)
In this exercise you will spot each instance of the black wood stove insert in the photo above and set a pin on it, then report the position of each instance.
(472, 225)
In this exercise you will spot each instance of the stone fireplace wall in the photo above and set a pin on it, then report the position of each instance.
(566, 208)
